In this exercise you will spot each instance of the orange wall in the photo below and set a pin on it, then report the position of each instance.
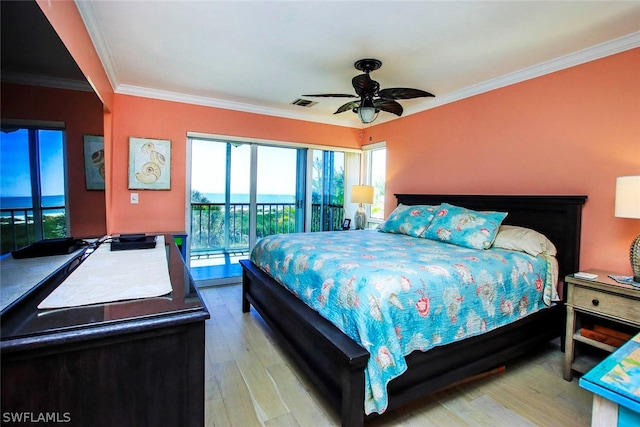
(149, 118)
(82, 114)
(570, 132)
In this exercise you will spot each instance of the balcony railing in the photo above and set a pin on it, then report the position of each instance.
(207, 224)
(209, 235)
(17, 226)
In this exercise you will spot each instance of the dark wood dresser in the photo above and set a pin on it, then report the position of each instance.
(128, 363)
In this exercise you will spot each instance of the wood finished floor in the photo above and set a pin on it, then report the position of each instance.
(250, 381)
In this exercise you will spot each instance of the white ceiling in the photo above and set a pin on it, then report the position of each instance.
(260, 56)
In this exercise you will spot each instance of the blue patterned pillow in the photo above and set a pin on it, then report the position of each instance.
(465, 227)
(411, 220)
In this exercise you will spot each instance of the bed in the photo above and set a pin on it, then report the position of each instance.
(337, 364)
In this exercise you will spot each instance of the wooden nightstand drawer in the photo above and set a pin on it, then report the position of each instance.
(601, 302)
(605, 303)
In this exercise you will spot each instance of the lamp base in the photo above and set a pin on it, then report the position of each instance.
(360, 218)
(634, 256)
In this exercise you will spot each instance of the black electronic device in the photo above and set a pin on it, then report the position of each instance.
(49, 247)
(133, 241)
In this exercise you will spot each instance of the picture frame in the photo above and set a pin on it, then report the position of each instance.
(346, 224)
(149, 164)
(94, 162)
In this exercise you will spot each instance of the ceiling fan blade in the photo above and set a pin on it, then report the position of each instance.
(334, 95)
(364, 85)
(402, 93)
(388, 105)
(348, 106)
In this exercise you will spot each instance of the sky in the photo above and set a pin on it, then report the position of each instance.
(276, 168)
(15, 178)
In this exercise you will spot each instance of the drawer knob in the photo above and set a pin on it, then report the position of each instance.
(595, 302)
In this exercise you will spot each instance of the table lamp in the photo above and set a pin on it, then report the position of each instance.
(628, 206)
(361, 194)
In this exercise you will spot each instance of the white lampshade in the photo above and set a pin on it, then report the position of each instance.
(362, 194)
(627, 197)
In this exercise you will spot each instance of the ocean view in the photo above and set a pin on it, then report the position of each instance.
(25, 202)
(50, 201)
(244, 198)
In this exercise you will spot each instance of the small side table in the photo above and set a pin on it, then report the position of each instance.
(599, 300)
(615, 383)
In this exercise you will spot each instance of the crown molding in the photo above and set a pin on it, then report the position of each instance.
(91, 23)
(602, 50)
(628, 42)
(45, 81)
(225, 104)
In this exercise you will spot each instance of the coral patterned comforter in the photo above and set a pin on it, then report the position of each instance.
(394, 294)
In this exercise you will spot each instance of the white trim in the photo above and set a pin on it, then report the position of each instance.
(270, 142)
(186, 244)
(602, 50)
(91, 23)
(45, 81)
(253, 196)
(204, 101)
(593, 53)
(375, 146)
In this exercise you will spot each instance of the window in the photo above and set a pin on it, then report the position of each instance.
(32, 185)
(375, 161)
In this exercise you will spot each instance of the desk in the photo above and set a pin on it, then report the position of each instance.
(19, 276)
(615, 383)
(127, 363)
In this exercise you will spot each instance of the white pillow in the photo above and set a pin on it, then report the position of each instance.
(524, 240)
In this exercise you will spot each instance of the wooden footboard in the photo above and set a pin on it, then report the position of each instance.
(335, 363)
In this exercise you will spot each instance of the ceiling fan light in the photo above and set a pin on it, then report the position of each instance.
(367, 114)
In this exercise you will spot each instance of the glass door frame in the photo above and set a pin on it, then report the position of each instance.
(304, 178)
(300, 196)
(33, 128)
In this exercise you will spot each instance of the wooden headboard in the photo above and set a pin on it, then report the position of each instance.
(557, 217)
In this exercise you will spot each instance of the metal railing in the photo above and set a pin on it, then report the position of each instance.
(208, 233)
(18, 228)
(210, 236)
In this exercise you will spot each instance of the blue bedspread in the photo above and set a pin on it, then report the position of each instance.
(394, 294)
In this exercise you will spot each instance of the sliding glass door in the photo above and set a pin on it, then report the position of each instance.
(279, 195)
(219, 197)
(240, 193)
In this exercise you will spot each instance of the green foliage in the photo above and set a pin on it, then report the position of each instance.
(377, 208)
(55, 226)
(207, 223)
(198, 197)
(336, 190)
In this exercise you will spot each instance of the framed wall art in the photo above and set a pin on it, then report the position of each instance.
(94, 162)
(149, 164)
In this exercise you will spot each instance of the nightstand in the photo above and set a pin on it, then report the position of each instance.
(604, 302)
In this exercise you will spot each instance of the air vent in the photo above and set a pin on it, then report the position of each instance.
(304, 103)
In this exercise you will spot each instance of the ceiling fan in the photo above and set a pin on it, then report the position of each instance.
(372, 99)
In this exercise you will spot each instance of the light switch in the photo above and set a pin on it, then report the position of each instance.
(134, 198)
